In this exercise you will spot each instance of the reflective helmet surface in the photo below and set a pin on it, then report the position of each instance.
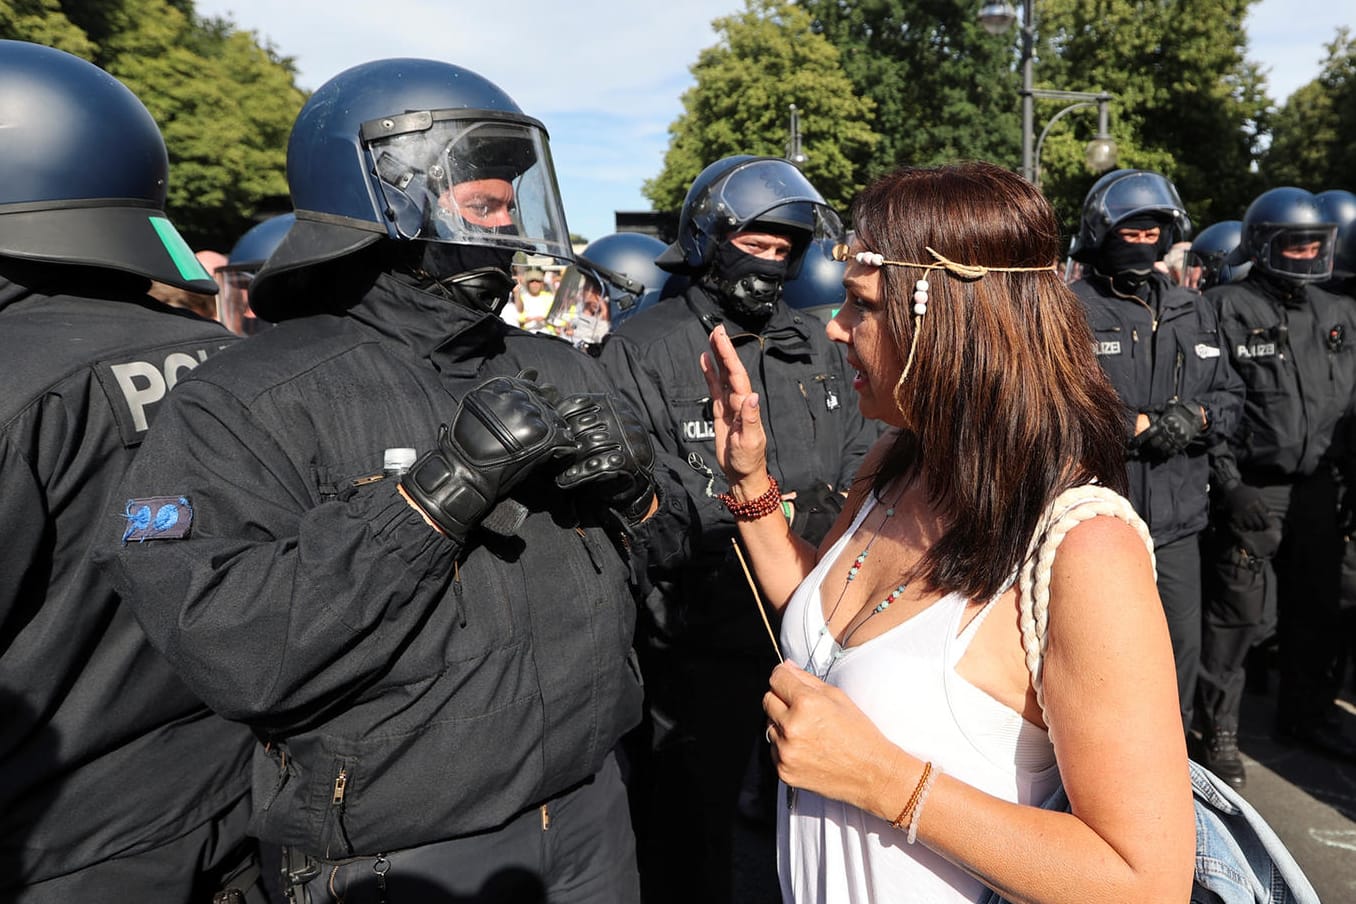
(1279, 219)
(410, 149)
(248, 255)
(1210, 261)
(1126, 193)
(612, 279)
(734, 194)
(1340, 206)
(818, 287)
(84, 171)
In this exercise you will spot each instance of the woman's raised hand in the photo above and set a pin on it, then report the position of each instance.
(741, 444)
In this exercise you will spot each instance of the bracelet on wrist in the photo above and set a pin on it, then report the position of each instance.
(764, 505)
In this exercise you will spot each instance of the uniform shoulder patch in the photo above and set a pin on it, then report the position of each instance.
(157, 518)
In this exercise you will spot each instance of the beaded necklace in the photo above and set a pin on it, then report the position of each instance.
(839, 650)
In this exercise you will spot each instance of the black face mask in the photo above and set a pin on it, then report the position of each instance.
(472, 275)
(1128, 263)
(748, 286)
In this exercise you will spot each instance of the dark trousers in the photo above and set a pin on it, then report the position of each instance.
(1179, 587)
(1287, 576)
(705, 714)
(189, 870)
(578, 849)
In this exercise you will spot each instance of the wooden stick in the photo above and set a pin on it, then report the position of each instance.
(762, 610)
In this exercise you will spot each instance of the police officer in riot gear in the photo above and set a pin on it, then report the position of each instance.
(438, 660)
(614, 278)
(119, 784)
(1275, 548)
(744, 229)
(1209, 260)
(246, 257)
(1159, 344)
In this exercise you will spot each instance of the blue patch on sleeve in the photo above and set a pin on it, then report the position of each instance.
(157, 518)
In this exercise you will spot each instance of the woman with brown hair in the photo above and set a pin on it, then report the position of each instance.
(914, 746)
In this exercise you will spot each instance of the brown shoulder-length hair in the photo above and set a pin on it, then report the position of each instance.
(1005, 405)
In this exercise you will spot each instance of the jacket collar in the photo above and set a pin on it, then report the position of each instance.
(452, 336)
(784, 330)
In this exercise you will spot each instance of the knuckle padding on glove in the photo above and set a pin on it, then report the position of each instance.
(501, 431)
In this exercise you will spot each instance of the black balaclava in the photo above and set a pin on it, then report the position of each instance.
(747, 287)
(475, 276)
(1128, 265)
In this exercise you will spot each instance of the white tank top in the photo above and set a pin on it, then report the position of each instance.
(905, 681)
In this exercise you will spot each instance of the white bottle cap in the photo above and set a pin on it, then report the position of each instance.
(398, 460)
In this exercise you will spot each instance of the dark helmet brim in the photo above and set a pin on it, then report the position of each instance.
(673, 260)
(128, 237)
(310, 242)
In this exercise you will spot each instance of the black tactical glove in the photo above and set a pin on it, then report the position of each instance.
(615, 459)
(1169, 432)
(1245, 508)
(502, 430)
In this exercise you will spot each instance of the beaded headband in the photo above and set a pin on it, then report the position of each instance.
(920, 288)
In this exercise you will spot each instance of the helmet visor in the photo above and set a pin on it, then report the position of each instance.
(468, 177)
(766, 191)
(580, 311)
(1300, 253)
(233, 303)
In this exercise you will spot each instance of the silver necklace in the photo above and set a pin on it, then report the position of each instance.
(839, 649)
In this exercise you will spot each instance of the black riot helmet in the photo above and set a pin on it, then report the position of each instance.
(818, 288)
(244, 261)
(418, 151)
(1129, 194)
(743, 192)
(622, 267)
(84, 172)
(1209, 261)
(1283, 219)
(1340, 207)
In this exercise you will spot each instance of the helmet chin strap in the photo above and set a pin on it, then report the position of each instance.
(474, 276)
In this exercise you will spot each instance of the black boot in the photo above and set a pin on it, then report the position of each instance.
(1321, 734)
(1223, 759)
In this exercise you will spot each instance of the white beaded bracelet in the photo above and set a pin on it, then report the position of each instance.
(918, 808)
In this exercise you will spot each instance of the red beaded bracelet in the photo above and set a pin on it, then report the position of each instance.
(765, 504)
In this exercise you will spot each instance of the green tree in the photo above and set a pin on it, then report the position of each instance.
(1313, 141)
(43, 22)
(224, 102)
(1187, 101)
(768, 58)
(944, 89)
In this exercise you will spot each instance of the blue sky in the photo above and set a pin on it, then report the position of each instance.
(606, 76)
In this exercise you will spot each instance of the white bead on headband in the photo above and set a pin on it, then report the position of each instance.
(920, 288)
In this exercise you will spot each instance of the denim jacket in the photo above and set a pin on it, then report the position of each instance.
(1239, 859)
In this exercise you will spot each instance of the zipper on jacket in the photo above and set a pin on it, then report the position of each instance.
(340, 787)
(1177, 376)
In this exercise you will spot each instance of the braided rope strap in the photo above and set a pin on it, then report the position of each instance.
(1070, 508)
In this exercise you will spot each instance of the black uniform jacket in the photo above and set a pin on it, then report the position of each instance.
(104, 752)
(406, 694)
(1295, 348)
(816, 437)
(1150, 364)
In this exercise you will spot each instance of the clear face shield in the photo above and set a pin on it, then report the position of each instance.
(233, 302)
(1297, 253)
(581, 311)
(1138, 193)
(771, 192)
(468, 177)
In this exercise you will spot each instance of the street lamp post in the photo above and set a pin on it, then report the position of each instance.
(996, 19)
(1101, 151)
(793, 148)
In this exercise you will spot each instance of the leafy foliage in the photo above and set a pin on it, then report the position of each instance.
(224, 103)
(767, 59)
(1314, 135)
